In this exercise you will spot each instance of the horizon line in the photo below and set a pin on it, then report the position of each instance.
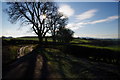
(73, 37)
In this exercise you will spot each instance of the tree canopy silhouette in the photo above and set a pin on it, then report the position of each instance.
(43, 17)
(64, 34)
(58, 21)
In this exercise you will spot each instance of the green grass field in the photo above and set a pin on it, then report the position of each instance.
(35, 39)
(80, 41)
(114, 47)
(22, 39)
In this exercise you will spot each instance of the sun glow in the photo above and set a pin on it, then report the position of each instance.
(43, 16)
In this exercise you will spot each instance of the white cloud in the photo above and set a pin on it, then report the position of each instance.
(86, 15)
(111, 18)
(66, 10)
(75, 26)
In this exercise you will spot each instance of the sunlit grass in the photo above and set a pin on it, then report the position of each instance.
(80, 41)
(34, 39)
(7, 39)
(50, 40)
(114, 48)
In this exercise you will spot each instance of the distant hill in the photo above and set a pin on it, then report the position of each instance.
(3, 37)
(28, 37)
(32, 37)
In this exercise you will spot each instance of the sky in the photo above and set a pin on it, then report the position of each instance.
(86, 19)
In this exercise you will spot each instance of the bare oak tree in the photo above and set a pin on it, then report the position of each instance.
(41, 16)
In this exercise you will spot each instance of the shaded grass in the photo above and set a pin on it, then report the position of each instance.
(64, 66)
(67, 66)
(72, 67)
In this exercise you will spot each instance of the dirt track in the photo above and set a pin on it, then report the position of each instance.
(21, 51)
(26, 67)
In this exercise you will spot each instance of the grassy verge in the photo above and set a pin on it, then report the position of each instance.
(9, 53)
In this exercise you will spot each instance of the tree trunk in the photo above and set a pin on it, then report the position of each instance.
(45, 39)
(54, 38)
(40, 39)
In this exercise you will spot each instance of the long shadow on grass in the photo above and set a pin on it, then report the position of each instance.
(44, 70)
(57, 59)
(80, 69)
